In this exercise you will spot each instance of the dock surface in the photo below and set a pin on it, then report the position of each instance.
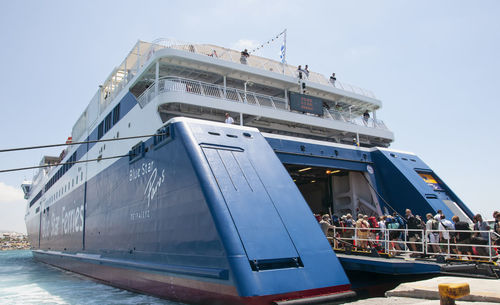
(482, 291)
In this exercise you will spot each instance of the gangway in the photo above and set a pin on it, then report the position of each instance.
(390, 252)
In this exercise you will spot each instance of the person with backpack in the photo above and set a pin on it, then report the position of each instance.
(372, 220)
(463, 236)
(348, 228)
(401, 222)
(363, 228)
(432, 229)
(413, 226)
(446, 237)
(393, 228)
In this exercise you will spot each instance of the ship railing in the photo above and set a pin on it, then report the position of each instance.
(252, 61)
(394, 242)
(356, 119)
(189, 86)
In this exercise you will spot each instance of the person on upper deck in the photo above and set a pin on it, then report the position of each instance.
(333, 79)
(299, 70)
(306, 71)
(244, 56)
(229, 119)
(366, 117)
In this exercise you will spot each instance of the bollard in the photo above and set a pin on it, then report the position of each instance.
(449, 292)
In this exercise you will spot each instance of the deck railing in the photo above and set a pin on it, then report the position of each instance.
(397, 241)
(252, 61)
(189, 86)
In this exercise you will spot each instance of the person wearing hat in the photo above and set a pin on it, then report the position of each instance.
(362, 228)
(325, 224)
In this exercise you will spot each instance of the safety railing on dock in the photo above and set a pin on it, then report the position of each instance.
(189, 86)
(419, 243)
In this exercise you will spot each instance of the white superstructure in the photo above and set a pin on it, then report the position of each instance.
(204, 81)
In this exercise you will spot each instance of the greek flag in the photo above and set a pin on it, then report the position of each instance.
(282, 53)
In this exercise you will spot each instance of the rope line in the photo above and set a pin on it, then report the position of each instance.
(65, 163)
(77, 143)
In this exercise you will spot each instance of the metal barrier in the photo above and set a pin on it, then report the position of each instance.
(398, 242)
(178, 84)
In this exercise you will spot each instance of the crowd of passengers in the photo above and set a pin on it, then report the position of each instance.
(391, 233)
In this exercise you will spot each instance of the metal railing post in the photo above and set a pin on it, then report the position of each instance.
(157, 76)
(202, 91)
(224, 78)
(424, 240)
(356, 237)
(489, 245)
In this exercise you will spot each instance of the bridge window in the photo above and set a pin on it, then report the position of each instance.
(107, 123)
(116, 114)
(100, 131)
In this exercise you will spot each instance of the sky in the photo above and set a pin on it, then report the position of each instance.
(433, 64)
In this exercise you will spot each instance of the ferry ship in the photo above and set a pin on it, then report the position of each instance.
(156, 193)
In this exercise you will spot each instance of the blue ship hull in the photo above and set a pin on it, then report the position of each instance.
(209, 214)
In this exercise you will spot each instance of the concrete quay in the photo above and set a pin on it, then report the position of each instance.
(482, 291)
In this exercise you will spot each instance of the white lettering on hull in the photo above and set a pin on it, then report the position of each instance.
(65, 223)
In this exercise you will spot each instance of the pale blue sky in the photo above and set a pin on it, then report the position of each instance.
(434, 64)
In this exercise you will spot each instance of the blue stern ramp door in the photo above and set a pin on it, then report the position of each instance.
(264, 236)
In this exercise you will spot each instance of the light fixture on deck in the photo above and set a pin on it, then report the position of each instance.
(304, 169)
(312, 181)
(329, 172)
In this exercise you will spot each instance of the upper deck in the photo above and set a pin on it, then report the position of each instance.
(258, 91)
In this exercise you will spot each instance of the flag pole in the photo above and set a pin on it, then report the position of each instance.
(284, 53)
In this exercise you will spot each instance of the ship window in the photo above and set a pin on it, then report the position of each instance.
(136, 153)
(214, 133)
(100, 131)
(81, 176)
(107, 123)
(162, 136)
(116, 114)
(32, 202)
(231, 135)
(246, 134)
(77, 179)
